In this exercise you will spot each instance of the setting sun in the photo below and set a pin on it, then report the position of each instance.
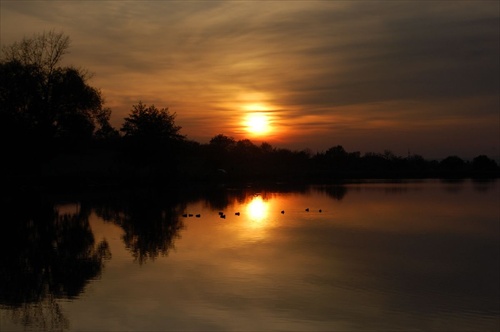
(257, 123)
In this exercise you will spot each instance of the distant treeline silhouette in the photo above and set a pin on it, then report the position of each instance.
(55, 129)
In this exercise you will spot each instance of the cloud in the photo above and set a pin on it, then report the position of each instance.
(316, 63)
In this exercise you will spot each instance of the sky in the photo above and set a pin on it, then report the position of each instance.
(405, 76)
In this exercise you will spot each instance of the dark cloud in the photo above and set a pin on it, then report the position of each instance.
(402, 58)
(315, 63)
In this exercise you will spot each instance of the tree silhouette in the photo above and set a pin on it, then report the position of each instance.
(44, 99)
(43, 51)
(46, 109)
(452, 166)
(53, 126)
(483, 163)
(222, 142)
(217, 157)
(105, 131)
(152, 141)
(150, 124)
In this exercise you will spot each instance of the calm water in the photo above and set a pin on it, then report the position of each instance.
(379, 256)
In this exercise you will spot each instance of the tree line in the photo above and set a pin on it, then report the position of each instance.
(54, 127)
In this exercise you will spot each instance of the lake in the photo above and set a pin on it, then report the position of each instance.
(411, 255)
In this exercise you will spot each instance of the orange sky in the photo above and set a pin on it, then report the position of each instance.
(368, 75)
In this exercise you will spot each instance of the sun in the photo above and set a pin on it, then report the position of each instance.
(257, 123)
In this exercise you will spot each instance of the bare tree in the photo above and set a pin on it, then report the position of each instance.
(43, 50)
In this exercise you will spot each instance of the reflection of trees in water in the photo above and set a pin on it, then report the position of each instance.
(45, 315)
(484, 185)
(45, 256)
(220, 198)
(453, 185)
(334, 191)
(150, 221)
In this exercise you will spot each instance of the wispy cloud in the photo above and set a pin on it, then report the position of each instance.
(320, 65)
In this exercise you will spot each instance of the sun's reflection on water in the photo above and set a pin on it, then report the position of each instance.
(256, 219)
(257, 210)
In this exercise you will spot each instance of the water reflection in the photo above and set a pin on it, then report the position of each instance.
(150, 222)
(46, 255)
(48, 250)
(257, 209)
(337, 192)
(379, 257)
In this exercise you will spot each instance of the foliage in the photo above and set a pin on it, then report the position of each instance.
(53, 125)
(152, 142)
(222, 142)
(484, 163)
(42, 100)
(151, 124)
